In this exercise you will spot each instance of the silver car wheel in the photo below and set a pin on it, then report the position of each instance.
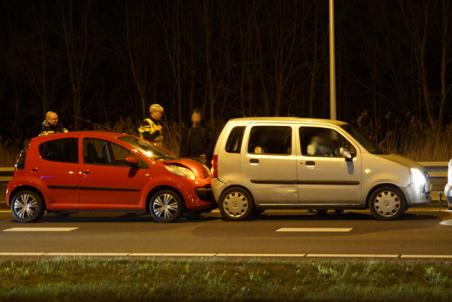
(165, 206)
(387, 203)
(235, 204)
(26, 206)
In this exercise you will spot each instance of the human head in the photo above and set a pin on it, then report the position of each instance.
(52, 118)
(156, 111)
(196, 116)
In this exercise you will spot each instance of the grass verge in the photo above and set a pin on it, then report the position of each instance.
(75, 279)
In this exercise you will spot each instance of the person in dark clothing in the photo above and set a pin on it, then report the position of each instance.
(197, 141)
(51, 124)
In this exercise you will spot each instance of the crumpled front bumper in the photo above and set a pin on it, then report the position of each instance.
(418, 196)
(448, 193)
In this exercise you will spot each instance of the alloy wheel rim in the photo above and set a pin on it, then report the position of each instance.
(387, 203)
(26, 206)
(235, 204)
(165, 206)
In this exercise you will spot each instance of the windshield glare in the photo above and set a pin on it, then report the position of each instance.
(147, 149)
(370, 147)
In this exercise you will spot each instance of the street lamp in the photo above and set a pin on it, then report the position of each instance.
(332, 63)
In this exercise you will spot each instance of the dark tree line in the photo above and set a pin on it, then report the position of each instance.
(102, 60)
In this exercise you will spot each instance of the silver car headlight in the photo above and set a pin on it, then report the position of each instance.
(418, 177)
(181, 171)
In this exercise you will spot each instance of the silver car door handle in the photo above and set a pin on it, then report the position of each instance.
(310, 163)
(254, 161)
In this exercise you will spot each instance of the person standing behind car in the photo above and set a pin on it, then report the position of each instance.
(51, 124)
(151, 128)
(197, 141)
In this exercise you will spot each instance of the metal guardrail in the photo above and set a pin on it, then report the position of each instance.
(6, 173)
(436, 169)
(438, 178)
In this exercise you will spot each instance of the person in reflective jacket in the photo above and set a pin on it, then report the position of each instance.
(51, 124)
(151, 128)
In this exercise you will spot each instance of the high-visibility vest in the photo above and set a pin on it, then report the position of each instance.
(150, 127)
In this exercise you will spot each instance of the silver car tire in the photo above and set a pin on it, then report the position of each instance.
(236, 204)
(387, 203)
(27, 206)
(166, 206)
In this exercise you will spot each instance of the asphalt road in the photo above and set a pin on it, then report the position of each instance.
(420, 232)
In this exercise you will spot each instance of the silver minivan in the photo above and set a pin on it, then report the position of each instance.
(282, 162)
(448, 187)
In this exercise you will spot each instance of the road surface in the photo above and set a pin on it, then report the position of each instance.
(419, 233)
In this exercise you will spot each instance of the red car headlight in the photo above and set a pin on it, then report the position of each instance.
(181, 171)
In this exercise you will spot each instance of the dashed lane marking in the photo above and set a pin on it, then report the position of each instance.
(258, 255)
(65, 254)
(41, 229)
(446, 222)
(172, 254)
(315, 230)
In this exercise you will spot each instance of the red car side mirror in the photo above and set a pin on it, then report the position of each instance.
(131, 160)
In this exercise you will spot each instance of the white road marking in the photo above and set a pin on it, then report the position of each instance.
(426, 256)
(88, 254)
(446, 222)
(172, 254)
(315, 230)
(352, 256)
(258, 255)
(6, 254)
(41, 229)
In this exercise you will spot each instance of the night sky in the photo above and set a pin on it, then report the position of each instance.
(103, 60)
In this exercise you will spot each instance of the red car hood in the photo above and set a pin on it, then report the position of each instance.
(199, 169)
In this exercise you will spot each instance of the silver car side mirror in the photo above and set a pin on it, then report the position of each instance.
(345, 153)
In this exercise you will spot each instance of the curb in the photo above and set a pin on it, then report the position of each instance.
(227, 255)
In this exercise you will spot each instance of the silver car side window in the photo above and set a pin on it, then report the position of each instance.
(270, 140)
(234, 142)
(322, 142)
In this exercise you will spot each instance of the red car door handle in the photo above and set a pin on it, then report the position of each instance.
(35, 169)
(84, 172)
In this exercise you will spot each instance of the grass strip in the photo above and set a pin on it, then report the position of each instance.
(93, 279)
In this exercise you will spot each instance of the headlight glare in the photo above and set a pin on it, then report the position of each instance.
(181, 171)
(417, 177)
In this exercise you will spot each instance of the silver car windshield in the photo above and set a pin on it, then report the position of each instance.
(370, 147)
(146, 148)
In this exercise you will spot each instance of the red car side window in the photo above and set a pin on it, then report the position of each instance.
(60, 150)
(101, 152)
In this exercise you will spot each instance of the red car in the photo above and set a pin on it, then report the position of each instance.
(91, 170)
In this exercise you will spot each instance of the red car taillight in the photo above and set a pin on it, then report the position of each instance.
(214, 168)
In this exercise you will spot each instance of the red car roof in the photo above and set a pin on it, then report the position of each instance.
(100, 134)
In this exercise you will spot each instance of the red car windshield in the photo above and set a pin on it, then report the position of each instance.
(146, 148)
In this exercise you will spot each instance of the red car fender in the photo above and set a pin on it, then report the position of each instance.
(24, 181)
(178, 184)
